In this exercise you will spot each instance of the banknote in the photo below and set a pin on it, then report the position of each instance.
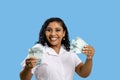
(77, 45)
(37, 53)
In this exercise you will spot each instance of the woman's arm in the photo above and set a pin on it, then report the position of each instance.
(26, 74)
(84, 70)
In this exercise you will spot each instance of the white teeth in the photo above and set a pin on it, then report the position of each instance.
(53, 39)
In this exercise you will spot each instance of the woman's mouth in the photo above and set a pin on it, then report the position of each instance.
(53, 38)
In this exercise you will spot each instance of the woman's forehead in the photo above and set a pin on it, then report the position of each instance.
(55, 25)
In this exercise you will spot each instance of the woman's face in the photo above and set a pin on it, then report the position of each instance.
(54, 33)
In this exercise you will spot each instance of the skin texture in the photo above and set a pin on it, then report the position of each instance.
(54, 35)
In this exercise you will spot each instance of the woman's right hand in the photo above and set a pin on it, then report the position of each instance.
(31, 62)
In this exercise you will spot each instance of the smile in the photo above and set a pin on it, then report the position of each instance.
(53, 38)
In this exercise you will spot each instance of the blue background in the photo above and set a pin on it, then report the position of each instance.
(96, 21)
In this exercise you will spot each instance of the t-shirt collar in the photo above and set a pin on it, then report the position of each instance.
(51, 51)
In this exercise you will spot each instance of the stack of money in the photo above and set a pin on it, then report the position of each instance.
(37, 53)
(77, 45)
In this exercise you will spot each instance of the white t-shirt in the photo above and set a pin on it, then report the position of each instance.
(55, 66)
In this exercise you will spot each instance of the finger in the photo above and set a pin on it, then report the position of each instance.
(27, 61)
(85, 52)
(87, 48)
(31, 64)
(32, 58)
(33, 61)
(88, 53)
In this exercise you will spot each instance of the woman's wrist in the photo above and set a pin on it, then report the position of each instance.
(89, 57)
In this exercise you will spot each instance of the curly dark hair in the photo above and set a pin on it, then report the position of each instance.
(42, 37)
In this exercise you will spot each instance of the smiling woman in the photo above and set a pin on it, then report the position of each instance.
(57, 62)
(54, 27)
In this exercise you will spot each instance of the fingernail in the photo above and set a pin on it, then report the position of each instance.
(83, 48)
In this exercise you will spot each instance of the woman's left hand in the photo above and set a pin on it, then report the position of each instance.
(88, 51)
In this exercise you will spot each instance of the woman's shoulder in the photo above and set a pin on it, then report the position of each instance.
(38, 45)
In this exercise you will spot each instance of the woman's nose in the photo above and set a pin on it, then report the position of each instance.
(53, 33)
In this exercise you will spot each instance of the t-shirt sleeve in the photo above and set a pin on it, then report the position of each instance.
(23, 62)
(76, 59)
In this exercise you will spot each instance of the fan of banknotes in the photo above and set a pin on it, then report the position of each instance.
(77, 45)
(37, 53)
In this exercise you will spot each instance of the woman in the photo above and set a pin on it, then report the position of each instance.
(58, 63)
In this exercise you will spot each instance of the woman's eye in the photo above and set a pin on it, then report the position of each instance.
(48, 30)
(57, 30)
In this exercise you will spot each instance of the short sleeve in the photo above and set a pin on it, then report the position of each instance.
(76, 59)
(38, 45)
